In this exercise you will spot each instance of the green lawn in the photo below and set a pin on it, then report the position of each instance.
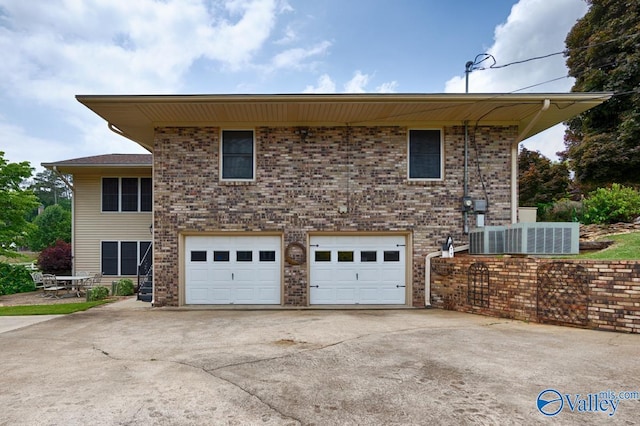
(625, 247)
(60, 309)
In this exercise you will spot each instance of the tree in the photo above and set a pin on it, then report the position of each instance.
(541, 182)
(50, 190)
(15, 204)
(603, 144)
(52, 225)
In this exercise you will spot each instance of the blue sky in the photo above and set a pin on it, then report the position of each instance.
(56, 49)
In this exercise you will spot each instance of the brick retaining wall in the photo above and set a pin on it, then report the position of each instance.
(585, 293)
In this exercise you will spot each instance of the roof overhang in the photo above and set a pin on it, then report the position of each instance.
(136, 117)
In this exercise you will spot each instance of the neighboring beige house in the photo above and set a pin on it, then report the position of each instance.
(111, 212)
(304, 200)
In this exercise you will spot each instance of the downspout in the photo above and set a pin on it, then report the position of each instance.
(427, 272)
(514, 160)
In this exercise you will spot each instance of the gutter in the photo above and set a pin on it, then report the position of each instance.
(514, 159)
(427, 272)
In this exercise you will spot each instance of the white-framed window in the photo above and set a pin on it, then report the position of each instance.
(425, 154)
(237, 155)
(122, 257)
(127, 194)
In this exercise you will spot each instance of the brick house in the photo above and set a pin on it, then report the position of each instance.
(304, 200)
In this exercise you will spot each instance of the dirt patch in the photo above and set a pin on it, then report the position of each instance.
(35, 298)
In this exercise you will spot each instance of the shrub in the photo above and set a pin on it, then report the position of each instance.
(124, 287)
(15, 279)
(611, 205)
(97, 293)
(56, 259)
(561, 211)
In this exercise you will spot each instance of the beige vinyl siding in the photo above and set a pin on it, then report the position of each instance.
(92, 226)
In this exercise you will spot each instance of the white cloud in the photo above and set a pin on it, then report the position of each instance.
(534, 28)
(325, 85)
(357, 84)
(296, 58)
(389, 87)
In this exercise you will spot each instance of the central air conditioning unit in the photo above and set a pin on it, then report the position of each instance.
(487, 240)
(542, 238)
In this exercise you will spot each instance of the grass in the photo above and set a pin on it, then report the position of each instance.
(59, 309)
(22, 257)
(625, 247)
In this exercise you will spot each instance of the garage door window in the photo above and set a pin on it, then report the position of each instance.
(345, 256)
(392, 256)
(244, 256)
(267, 256)
(220, 256)
(198, 256)
(368, 256)
(323, 256)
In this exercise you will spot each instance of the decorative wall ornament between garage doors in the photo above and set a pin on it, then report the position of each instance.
(295, 254)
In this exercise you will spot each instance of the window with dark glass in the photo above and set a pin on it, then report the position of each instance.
(110, 257)
(368, 256)
(122, 257)
(129, 194)
(110, 194)
(146, 194)
(128, 258)
(267, 256)
(323, 256)
(392, 256)
(220, 256)
(199, 256)
(345, 256)
(425, 154)
(237, 154)
(244, 256)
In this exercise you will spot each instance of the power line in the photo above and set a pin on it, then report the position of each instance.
(482, 57)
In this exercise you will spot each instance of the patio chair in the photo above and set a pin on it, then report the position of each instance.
(50, 286)
(37, 279)
(93, 281)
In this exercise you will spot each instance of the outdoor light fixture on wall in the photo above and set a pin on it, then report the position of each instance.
(303, 132)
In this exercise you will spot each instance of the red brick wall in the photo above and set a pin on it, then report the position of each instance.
(300, 185)
(612, 290)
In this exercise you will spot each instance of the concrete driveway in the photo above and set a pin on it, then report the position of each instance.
(127, 364)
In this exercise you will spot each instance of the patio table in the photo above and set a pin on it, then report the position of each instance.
(73, 281)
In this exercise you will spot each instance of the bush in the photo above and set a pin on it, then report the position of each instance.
(56, 259)
(15, 279)
(97, 293)
(612, 205)
(561, 211)
(124, 287)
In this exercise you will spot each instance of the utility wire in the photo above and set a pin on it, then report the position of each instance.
(487, 56)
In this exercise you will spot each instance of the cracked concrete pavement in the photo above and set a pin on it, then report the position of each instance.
(127, 364)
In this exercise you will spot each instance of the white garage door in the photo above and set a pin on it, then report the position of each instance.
(233, 270)
(357, 270)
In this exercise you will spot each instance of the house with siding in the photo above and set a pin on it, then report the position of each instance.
(300, 200)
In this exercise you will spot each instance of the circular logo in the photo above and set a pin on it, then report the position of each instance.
(550, 402)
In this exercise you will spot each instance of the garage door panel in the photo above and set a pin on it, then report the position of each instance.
(235, 269)
(345, 295)
(361, 270)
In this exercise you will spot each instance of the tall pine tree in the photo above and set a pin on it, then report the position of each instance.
(603, 50)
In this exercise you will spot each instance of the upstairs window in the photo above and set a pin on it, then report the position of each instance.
(425, 154)
(126, 195)
(237, 155)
